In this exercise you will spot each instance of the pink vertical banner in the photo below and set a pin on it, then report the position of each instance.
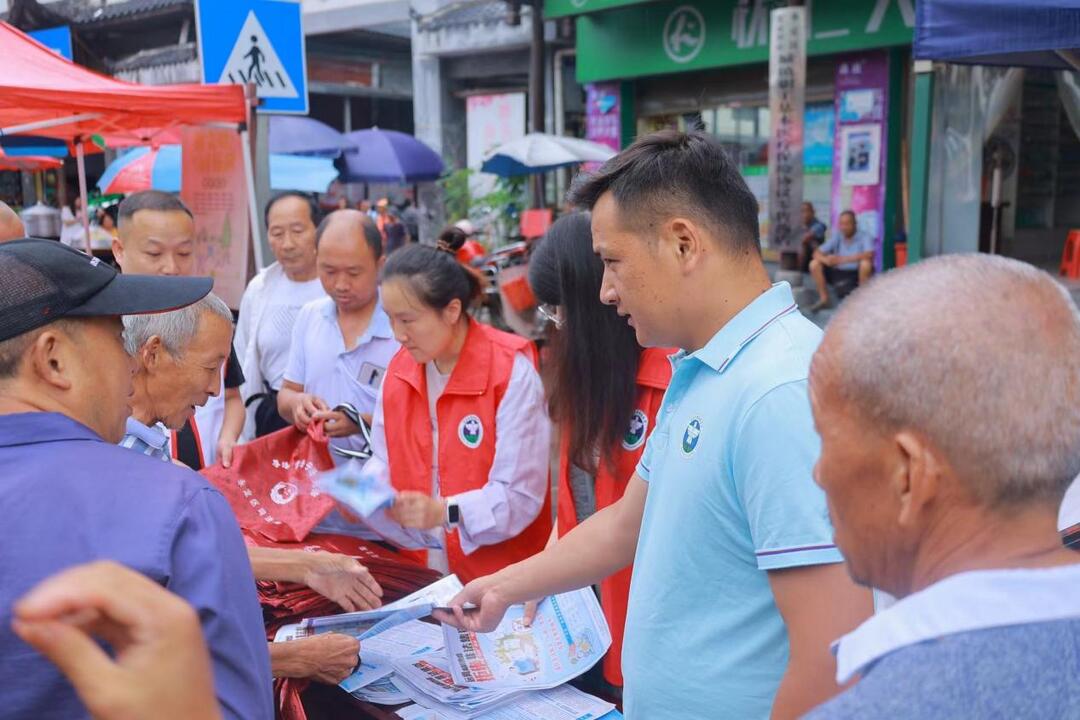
(859, 150)
(603, 113)
(214, 188)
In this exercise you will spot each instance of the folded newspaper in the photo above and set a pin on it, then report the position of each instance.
(567, 637)
(365, 489)
(479, 673)
(368, 623)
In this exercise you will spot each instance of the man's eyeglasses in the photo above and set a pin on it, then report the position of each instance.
(551, 314)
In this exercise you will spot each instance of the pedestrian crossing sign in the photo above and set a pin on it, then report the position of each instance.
(259, 42)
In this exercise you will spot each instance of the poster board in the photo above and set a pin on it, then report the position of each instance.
(215, 190)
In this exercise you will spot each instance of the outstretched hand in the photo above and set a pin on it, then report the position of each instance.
(486, 611)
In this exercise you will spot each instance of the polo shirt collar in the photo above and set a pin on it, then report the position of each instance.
(152, 436)
(750, 322)
(378, 327)
(965, 602)
(40, 427)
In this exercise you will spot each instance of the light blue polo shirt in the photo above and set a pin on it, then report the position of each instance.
(319, 360)
(731, 496)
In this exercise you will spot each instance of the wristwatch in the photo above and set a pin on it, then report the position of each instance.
(453, 514)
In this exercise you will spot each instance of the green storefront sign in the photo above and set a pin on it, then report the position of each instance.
(676, 36)
(564, 8)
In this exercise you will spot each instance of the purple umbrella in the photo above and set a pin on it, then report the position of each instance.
(389, 156)
(299, 135)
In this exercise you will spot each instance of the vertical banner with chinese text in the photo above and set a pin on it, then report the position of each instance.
(787, 97)
(215, 190)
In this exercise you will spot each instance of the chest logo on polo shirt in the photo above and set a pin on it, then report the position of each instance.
(284, 493)
(691, 436)
(635, 433)
(470, 431)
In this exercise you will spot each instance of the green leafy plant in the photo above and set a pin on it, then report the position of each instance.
(456, 197)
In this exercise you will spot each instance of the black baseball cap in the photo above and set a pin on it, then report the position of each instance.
(42, 281)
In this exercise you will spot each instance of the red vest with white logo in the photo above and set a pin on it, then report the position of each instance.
(476, 388)
(612, 476)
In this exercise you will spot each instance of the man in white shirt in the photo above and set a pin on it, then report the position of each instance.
(271, 303)
(341, 344)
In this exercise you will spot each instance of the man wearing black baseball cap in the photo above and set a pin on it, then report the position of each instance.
(71, 495)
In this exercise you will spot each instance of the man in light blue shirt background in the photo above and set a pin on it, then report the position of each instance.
(341, 344)
(737, 589)
(846, 257)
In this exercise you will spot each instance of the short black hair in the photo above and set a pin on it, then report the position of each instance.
(313, 207)
(151, 200)
(371, 231)
(670, 172)
(848, 212)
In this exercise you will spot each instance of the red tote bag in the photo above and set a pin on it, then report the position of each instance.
(271, 484)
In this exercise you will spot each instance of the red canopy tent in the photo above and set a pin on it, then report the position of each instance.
(42, 93)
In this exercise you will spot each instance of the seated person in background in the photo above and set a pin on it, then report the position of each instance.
(949, 500)
(72, 496)
(159, 665)
(813, 236)
(847, 255)
(178, 358)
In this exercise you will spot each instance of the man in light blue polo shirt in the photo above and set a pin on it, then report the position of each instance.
(737, 587)
(341, 344)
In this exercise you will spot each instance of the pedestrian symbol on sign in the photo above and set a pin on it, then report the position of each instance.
(254, 60)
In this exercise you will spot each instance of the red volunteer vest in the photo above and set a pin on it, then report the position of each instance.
(654, 375)
(467, 434)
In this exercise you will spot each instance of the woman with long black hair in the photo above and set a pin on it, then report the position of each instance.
(460, 421)
(603, 393)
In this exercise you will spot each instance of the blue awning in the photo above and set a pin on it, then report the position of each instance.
(1024, 33)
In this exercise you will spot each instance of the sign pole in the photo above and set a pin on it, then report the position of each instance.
(787, 99)
(80, 162)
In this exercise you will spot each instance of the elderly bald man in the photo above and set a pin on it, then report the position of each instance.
(950, 432)
(11, 226)
(178, 360)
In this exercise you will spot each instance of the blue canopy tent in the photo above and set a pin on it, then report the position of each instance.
(1023, 33)
(1019, 33)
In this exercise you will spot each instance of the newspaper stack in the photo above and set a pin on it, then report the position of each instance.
(516, 672)
(561, 703)
(479, 673)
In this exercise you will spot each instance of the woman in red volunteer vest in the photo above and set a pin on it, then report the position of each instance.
(461, 421)
(603, 393)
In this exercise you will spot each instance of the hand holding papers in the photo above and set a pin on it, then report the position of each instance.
(363, 489)
(366, 492)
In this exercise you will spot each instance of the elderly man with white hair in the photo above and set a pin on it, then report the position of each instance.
(178, 361)
(950, 432)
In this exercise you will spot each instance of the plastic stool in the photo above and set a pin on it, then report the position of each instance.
(1070, 256)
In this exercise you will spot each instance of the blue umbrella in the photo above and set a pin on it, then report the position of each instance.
(144, 168)
(300, 135)
(389, 156)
